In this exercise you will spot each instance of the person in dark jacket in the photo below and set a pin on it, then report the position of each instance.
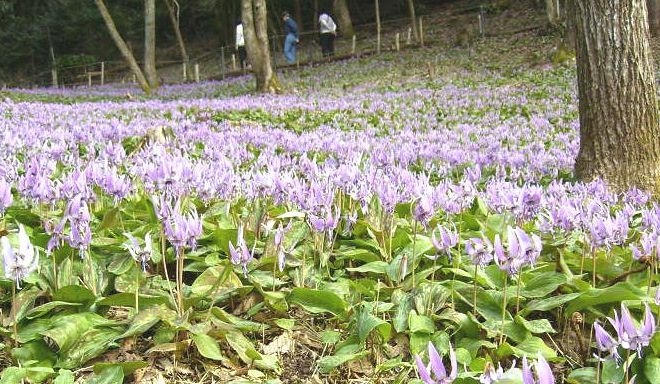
(291, 39)
(328, 30)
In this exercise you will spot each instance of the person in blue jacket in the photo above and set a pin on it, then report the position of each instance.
(291, 39)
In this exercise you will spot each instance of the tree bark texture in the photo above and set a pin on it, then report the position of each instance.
(552, 11)
(121, 45)
(654, 16)
(619, 134)
(150, 43)
(173, 12)
(343, 17)
(255, 28)
(413, 18)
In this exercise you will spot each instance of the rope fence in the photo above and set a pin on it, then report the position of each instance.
(393, 35)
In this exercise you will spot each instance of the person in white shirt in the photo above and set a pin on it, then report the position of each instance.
(328, 30)
(240, 44)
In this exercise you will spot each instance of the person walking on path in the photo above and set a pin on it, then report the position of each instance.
(328, 30)
(291, 39)
(240, 44)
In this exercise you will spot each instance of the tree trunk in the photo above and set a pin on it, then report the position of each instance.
(413, 18)
(121, 45)
(255, 28)
(343, 17)
(551, 9)
(173, 11)
(150, 43)
(619, 133)
(654, 16)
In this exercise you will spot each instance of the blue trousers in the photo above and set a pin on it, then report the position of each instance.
(290, 48)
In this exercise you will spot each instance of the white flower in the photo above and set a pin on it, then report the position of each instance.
(18, 264)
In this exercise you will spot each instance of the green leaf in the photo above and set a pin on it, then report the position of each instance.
(121, 264)
(541, 285)
(111, 219)
(13, 375)
(367, 322)
(610, 295)
(111, 375)
(216, 282)
(585, 375)
(329, 363)
(535, 326)
(532, 345)
(420, 323)
(287, 324)
(238, 322)
(147, 318)
(88, 346)
(66, 330)
(75, 294)
(64, 376)
(652, 369)
(317, 301)
(207, 346)
(611, 373)
(378, 267)
(401, 314)
(127, 299)
(48, 308)
(243, 347)
(127, 367)
(549, 303)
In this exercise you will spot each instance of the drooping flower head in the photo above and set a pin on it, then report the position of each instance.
(19, 263)
(141, 254)
(543, 372)
(435, 372)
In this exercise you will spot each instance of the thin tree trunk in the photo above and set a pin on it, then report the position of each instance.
(619, 133)
(173, 11)
(343, 17)
(150, 43)
(255, 28)
(121, 45)
(377, 5)
(413, 18)
(654, 16)
(552, 12)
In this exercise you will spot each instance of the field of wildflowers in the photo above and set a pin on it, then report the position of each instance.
(378, 231)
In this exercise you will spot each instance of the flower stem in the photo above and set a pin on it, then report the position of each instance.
(167, 275)
(137, 290)
(413, 253)
(179, 279)
(502, 337)
(13, 313)
(518, 293)
(474, 291)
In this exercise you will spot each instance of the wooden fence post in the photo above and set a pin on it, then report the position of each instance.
(53, 73)
(396, 41)
(89, 79)
(103, 73)
(222, 62)
(421, 32)
(377, 27)
(184, 71)
(197, 72)
(353, 44)
(409, 38)
(233, 62)
(482, 31)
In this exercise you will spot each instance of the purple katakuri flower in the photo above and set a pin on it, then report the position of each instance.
(434, 372)
(606, 343)
(423, 210)
(240, 255)
(139, 253)
(543, 372)
(448, 240)
(18, 264)
(480, 251)
(492, 375)
(648, 244)
(630, 337)
(6, 198)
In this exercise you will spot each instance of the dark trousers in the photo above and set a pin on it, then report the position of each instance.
(327, 41)
(242, 56)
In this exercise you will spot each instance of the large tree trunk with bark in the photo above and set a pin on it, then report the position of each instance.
(255, 28)
(173, 11)
(122, 46)
(552, 10)
(343, 17)
(654, 16)
(619, 134)
(150, 43)
(413, 18)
